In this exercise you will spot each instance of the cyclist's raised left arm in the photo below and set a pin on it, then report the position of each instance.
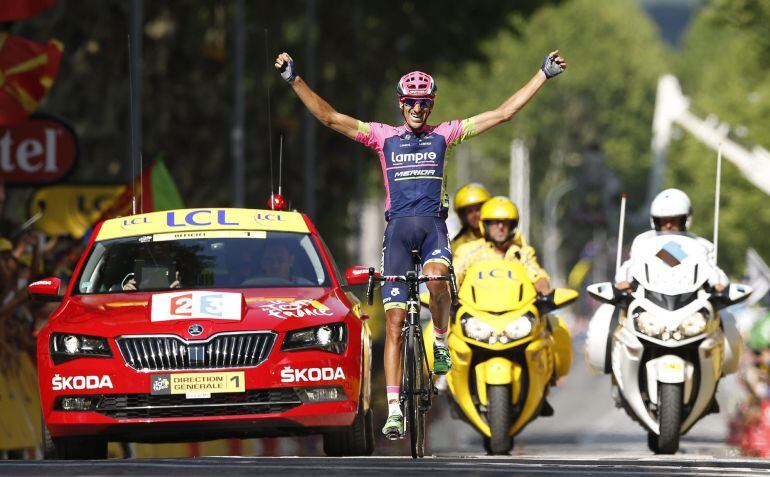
(552, 66)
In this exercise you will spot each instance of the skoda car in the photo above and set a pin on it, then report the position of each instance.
(201, 324)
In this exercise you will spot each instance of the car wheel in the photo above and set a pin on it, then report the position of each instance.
(369, 430)
(49, 450)
(355, 440)
(79, 448)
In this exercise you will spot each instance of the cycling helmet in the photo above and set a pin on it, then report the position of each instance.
(470, 194)
(416, 84)
(671, 203)
(499, 208)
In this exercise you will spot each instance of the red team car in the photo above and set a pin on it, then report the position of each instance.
(202, 324)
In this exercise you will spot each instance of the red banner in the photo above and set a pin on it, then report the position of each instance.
(11, 10)
(27, 72)
(40, 150)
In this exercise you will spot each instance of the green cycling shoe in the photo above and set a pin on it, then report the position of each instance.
(442, 362)
(394, 427)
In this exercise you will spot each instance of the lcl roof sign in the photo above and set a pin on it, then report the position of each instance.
(40, 150)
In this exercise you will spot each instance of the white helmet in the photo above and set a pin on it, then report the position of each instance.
(670, 203)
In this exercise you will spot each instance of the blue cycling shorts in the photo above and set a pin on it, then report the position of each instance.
(427, 235)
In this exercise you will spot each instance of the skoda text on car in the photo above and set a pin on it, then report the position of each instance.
(201, 324)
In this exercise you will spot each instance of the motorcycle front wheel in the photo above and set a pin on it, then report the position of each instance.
(669, 417)
(499, 417)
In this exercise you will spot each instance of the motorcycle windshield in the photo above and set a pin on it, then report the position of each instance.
(670, 302)
(671, 264)
(497, 286)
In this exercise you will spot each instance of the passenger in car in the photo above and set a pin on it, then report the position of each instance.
(277, 261)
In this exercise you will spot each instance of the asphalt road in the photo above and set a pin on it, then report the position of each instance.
(586, 436)
(467, 466)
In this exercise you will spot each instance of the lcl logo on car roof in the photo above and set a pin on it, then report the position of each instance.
(195, 330)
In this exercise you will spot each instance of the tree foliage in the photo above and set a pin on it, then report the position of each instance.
(724, 70)
(602, 105)
(362, 49)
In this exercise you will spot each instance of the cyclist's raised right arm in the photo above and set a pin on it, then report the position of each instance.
(317, 106)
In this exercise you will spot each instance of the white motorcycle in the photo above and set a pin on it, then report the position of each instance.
(666, 344)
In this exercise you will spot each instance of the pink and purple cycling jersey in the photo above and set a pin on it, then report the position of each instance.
(413, 164)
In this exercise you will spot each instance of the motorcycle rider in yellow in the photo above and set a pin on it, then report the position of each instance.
(468, 201)
(501, 239)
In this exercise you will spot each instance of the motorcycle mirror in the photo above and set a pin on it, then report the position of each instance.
(735, 293)
(564, 296)
(604, 292)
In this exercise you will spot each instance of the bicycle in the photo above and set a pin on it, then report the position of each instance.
(417, 387)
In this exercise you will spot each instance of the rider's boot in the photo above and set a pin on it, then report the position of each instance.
(394, 426)
(442, 361)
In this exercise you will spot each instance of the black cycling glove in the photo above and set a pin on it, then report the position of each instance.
(289, 71)
(550, 67)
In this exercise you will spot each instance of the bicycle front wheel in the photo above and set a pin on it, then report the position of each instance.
(415, 384)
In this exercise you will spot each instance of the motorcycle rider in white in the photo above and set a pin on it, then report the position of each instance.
(667, 341)
(670, 212)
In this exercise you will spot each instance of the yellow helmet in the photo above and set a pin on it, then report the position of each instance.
(499, 208)
(470, 194)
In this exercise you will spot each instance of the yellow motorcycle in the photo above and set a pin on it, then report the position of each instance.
(506, 351)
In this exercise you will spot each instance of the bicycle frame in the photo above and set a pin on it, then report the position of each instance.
(417, 378)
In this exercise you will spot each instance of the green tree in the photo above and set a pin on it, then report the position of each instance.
(604, 102)
(362, 49)
(725, 71)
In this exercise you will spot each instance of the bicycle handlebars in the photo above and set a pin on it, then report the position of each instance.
(411, 277)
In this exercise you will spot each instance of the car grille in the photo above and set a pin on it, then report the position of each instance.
(140, 406)
(171, 353)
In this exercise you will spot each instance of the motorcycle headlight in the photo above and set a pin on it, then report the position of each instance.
(518, 328)
(694, 324)
(649, 324)
(67, 346)
(330, 337)
(476, 329)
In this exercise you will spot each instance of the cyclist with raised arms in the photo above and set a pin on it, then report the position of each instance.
(412, 156)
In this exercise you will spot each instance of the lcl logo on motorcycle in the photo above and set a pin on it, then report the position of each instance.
(195, 330)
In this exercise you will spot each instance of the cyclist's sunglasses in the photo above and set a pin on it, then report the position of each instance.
(424, 103)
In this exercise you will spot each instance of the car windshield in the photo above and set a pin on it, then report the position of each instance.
(222, 259)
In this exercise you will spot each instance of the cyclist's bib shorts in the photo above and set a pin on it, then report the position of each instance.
(427, 235)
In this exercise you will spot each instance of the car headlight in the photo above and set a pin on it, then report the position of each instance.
(694, 324)
(476, 329)
(67, 346)
(649, 324)
(332, 337)
(518, 328)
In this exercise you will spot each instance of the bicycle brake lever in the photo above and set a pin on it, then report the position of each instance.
(370, 287)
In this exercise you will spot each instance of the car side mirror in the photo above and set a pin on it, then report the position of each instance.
(604, 292)
(357, 275)
(46, 289)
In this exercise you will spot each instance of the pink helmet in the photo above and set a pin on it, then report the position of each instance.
(416, 84)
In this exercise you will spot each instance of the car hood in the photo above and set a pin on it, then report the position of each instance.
(276, 309)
